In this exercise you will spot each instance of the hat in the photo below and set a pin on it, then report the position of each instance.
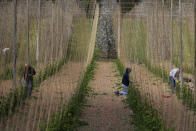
(128, 70)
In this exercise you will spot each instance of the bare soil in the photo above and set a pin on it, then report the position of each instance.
(5, 87)
(104, 110)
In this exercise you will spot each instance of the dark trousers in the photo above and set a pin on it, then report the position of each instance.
(173, 83)
(28, 87)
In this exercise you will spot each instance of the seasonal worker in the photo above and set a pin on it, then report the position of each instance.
(174, 77)
(126, 81)
(29, 72)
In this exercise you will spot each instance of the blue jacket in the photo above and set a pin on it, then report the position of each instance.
(125, 79)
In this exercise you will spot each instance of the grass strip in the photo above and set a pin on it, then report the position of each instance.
(68, 118)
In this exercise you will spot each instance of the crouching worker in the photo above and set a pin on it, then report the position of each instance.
(174, 77)
(125, 82)
(29, 72)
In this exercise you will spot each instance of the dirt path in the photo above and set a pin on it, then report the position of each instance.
(104, 110)
(5, 87)
(46, 99)
(174, 113)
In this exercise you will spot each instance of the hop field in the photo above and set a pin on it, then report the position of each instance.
(80, 51)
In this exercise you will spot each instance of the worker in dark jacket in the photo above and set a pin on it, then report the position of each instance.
(125, 80)
(29, 72)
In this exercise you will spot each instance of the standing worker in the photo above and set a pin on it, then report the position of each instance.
(29, 72)
(174, 77)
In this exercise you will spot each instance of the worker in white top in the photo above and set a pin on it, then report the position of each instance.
(173, 76)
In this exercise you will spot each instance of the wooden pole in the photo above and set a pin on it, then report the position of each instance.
(153, 33)
(62, 29)
(119, 30)
(181, 55)
(38, 36)
(57, 30)
(52, 52)
(147, 43)
(163, 34)
(172, 36)
(180, 36)
(14, 43)
(28, 32)
(195, 44)
(157, 34)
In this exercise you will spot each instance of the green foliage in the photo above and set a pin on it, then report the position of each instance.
(87, 5)
(49, 71)
(68, 118)
(8, 104)
(135, 36)
(17, 96)
(7, 71)
(184, 93)
(188, 45)
(120, 67)
(79, 42)
(53, 1)
(144, 117)
(136, 52)
(22, 43)
(127, 5)
(187, 68)
(157, 71)
(20, 70)
(187, 96)
(6, 74)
